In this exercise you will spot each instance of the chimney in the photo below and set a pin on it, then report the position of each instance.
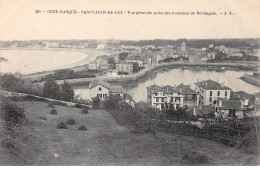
(222, 84)
(181, 89)
(206, 85)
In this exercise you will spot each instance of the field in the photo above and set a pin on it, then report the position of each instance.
(107, 143)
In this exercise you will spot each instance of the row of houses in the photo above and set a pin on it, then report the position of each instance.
(207, 93)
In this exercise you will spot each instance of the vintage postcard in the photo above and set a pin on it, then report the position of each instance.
(129, 83)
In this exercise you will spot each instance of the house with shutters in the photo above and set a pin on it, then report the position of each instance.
(158, 96)
(190, 96)
(210, 91)
(99, 88)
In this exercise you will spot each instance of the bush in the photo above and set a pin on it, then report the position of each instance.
(82, 128)
(85, 111)
(43, 118)
(194, 158)
(11, 113)
(53, 112)
(50, 105)
(71, 121)
(62, 126)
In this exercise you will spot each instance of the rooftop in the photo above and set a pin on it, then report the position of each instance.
(231, 105)
(211, 85)
(186, 89)
(165, 89)
(116, 89)
(98, 82)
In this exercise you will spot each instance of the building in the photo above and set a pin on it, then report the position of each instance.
(210, 91)
(197, 59)
(138, 61)
(124, 67)
(112, 73)
(183, 47)
(157, 96)
(230, 109)
(99, 88)
(116, 90)
(154, 60)
(190, 97)
(128, 99)
(211, 46)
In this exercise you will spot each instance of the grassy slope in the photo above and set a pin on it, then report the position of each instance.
(107, 143)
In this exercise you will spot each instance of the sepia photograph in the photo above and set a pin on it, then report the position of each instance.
(129, 83)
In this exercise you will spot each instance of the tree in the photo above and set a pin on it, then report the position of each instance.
(2, 60)
(96, 102)
(112, 62)
(136, 67)
(51, 89)
(66, 92)
(112, 101)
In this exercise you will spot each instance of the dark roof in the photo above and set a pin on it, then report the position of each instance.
(185, 89)
(211, 85)
(169, 89)
(231, 105)
(154, 89)
(98, 82)
(127, 96)
(165, 89)
(116, 89)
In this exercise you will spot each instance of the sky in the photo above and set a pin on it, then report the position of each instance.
(18, 20)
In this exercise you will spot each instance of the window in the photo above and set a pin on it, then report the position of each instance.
(210, 99)
(218, 93)
(162, 99)
(99, 95)
(225, 93)
(157, 99)
(210, 93)
(104, 95)
(155, 94)
(171, 99)
(177, 99)
(100, 89)
(202, 91)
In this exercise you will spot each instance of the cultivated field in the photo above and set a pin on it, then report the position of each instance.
(107, 143)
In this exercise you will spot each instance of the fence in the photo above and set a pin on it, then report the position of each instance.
(220, 133)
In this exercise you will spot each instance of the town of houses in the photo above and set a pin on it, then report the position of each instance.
(129, 60)
(206, 93)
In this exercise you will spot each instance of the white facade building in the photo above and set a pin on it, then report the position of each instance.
(157, 96)
(211, 91)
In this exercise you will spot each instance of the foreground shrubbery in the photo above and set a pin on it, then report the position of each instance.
(54, 112)
(131, 117)
(10, 113)
(71, 122)
(62, 126)
(82, 128)
(85, 111)
(194, 158)
(50, 105)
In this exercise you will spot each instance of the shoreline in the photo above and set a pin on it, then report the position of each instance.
(81, 63)
(251, 80)
(148, 71)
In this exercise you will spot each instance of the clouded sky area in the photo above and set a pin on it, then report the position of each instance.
(18, 20)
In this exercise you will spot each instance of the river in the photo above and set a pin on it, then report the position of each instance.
(177, 76)
(27, 61)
